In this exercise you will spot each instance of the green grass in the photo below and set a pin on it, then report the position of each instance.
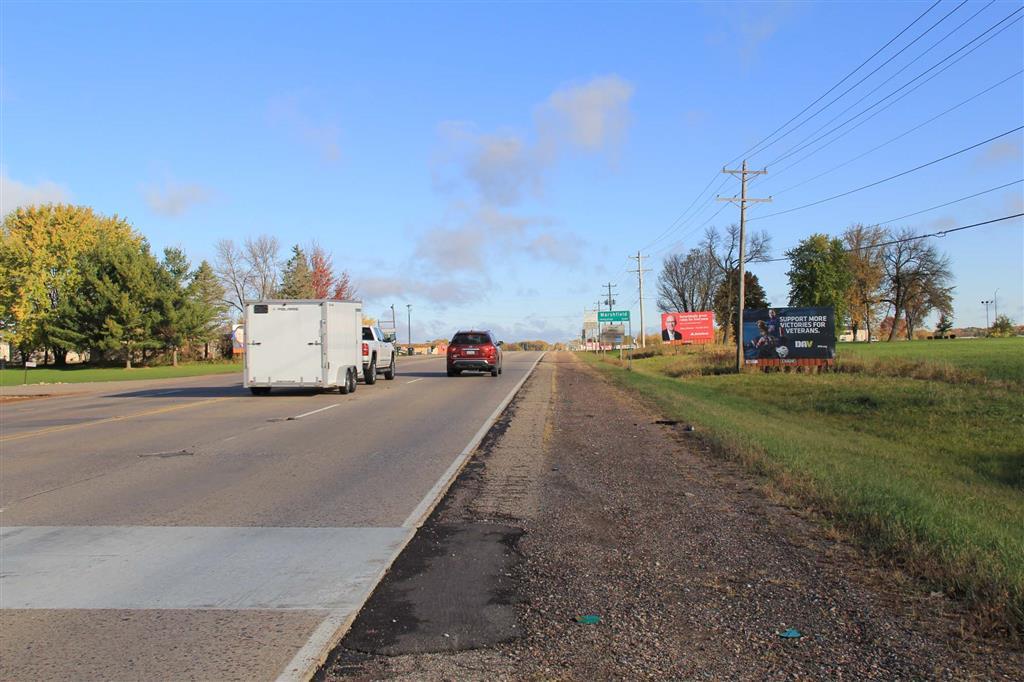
(1001, 359)
(72, 375)
(928, 472)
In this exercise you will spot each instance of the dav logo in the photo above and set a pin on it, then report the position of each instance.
(803, 344)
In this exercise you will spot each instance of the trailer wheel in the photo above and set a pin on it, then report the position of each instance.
(343, 388)
(389, 373)
(260, 390)
(370, 372)
(352, 380)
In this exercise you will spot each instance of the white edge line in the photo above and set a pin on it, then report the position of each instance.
(318, 647)
(414, 381)
(306, 414)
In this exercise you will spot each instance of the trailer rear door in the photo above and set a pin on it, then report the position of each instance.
(283, 343)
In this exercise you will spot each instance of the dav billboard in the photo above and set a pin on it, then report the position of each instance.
(696, 327)
(797, 336)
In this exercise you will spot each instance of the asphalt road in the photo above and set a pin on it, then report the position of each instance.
(183, 529)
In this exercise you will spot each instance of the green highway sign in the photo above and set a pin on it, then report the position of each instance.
(613, 316)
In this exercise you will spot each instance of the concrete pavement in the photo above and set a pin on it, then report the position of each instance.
(167, 530)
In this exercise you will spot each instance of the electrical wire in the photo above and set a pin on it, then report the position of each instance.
(841, 81)
(807, 141)
(890, 141)
(891, 177)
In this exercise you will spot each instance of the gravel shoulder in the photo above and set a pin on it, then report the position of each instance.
(694, 566)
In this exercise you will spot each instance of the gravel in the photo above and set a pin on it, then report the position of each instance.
(692, 564)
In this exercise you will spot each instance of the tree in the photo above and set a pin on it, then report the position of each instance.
(1002, 326)
(207, 299)
(753, 297)
(944, 324)
(819, 274)
(724, 253)
(916, 276)
(322, 265)
(344, 290)
(40, 266)
(688, 283)
(297, 278)
(923, 297)
(116, 307)
(865, 261)
(249, 272)
(174, 305)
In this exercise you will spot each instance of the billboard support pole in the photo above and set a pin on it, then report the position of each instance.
(742, 200)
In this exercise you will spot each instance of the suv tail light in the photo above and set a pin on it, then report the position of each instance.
(366, 349)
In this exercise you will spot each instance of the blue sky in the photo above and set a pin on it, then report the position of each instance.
(494, 164)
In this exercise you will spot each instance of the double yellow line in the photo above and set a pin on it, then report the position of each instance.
(146, 413)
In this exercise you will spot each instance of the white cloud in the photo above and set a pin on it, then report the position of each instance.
(383, 288)
(173, 199)
(1000, 153)
(321, 136)
(555, 248)
(15, 194)
(748, 26)
(592, 116)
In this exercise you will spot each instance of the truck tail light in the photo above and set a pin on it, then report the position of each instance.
(366, 349)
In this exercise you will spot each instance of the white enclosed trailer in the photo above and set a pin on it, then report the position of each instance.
(303, 344)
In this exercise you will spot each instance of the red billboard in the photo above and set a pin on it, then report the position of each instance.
(696, 327)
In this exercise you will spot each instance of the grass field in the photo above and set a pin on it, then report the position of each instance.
(929, 472)
(70, 375)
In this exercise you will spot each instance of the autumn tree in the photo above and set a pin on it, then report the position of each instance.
(688, 283)
(40, 248)
(344, 290)
(916, 276)
(321, 263)
(1001, 326)
(247, 272)
(819, 274)
(864, 259)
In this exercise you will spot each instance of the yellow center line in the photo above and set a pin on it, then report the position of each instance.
(146, 413)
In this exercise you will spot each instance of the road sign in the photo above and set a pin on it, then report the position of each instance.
(613, 316)
(30, 363)
(613, 333)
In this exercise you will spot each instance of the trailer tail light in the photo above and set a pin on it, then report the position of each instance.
(366, 349)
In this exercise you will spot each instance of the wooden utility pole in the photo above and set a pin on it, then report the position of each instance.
(639, 257)
(742, 200)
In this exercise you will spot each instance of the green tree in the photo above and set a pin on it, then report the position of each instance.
(728, 291)
(40, 266)
(1002, 326)
(117, 307)
(864, 257)
(297, 277)
(944, 324)
(819, 274)
(209, 311)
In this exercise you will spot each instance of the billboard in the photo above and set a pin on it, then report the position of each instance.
(789, 336)
(696, 327)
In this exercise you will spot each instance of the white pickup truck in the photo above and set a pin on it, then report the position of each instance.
(378, 355)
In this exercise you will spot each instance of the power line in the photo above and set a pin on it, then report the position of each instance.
(803, 144)
(901, 135)
(873, 72)
(891, 177)
(753, 149)
(940, 233)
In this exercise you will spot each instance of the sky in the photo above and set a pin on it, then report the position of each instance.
(494, 165)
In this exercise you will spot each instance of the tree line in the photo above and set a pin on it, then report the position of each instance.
(72, 279)
(865, 272)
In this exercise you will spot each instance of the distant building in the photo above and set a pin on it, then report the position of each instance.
(847, 335)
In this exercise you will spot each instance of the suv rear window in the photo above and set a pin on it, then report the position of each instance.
(470, 339)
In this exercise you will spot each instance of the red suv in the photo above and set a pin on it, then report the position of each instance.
(474, 350)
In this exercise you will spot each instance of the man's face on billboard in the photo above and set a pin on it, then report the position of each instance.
(670, 323)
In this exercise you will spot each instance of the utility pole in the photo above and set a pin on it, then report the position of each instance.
(743, 200)
(610, 301)
(408, 310)
(597, 308)
(640, 284)
(394, 326)
(986, 304)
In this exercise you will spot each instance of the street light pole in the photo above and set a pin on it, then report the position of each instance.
(995, 304)
(408, 309)
(394, 326)
(986, 304)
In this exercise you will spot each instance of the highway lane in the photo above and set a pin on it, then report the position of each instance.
(146, 529)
